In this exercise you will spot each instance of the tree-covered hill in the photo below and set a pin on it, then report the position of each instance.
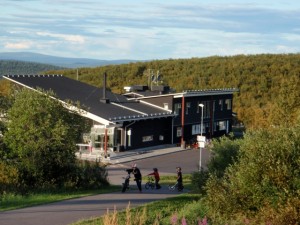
(22, 67)
(268, 84)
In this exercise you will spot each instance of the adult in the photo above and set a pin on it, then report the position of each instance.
(137, 176)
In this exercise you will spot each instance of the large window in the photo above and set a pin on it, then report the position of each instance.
(206, 109)
(196, 128)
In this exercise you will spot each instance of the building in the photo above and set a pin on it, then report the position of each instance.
(140, 118)
(186, 124)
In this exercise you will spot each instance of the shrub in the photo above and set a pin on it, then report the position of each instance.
(199, 179)
(265, 178)
(8, 178)
(89, 175)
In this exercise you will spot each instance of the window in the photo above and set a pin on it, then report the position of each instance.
(147, 138)
(178, 133)
(198, 107)
(129, 137)
(196, 129)
(166, 106)
(221, 104)
(188, 106)
(222, 125)
(228, 104)
(206, 109)
(177, 108)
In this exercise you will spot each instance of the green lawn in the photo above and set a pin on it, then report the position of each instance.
(9, 201)
(187, 206)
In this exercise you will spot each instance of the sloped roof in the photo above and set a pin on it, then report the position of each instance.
(118, 109)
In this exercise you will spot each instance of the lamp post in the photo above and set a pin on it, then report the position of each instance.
(201, 128)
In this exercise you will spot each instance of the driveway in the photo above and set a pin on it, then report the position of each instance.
(70, 211)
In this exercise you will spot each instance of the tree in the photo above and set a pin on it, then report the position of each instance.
(41, 136)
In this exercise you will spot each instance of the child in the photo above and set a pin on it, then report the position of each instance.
(179, 179)
(156, 177)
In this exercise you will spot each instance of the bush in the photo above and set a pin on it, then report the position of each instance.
(89, 175)
(8, 178)
(199, 179)
(263, 184)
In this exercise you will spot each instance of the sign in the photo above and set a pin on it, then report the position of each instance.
(201, 138)
(201, 144)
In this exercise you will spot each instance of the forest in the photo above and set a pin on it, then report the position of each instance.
(22, 67)
(268, 84)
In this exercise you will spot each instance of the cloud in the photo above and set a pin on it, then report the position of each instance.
(18, 45)
(67, 37)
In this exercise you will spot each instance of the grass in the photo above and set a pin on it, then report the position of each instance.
(167, 211)
(166, 180)
(10, 201)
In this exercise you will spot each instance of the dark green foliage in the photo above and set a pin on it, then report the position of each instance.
(21, 67)
(224, 153)
(198, 180)
(41, 137)
(89, 175)
(263, 184)
(8, 178)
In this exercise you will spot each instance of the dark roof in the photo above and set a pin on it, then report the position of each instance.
(119, 107)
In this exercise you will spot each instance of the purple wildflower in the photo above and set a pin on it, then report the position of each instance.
(174, 219)
(183, 221)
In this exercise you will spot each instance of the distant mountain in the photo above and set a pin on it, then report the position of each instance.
(59, 61)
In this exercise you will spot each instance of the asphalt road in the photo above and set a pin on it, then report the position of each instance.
(188, 160)
(70, 211)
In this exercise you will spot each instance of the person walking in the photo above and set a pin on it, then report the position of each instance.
(156, 177)
(137, 176)
(179, 179)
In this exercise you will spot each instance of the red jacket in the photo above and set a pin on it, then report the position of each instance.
(156, 175)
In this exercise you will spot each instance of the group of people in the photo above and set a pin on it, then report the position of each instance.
(138, 177)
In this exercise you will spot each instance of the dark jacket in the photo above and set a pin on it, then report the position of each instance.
(136, 173)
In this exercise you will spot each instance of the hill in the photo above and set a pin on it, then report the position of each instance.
(20, 67)
(59, 61)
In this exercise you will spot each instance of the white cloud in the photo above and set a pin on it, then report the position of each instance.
(67, 37)
(18, 45)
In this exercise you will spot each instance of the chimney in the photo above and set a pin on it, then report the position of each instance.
(104, 99)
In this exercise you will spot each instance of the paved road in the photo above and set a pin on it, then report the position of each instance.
(188, 160)
(70, 211)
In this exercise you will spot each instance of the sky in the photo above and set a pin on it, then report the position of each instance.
(149, 30)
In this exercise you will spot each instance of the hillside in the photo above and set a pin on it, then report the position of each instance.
(20, 67)
(268, 83)
(59, 61)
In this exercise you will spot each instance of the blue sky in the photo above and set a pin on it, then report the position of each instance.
(145, 30)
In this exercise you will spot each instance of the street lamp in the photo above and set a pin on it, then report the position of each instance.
(201, 128)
